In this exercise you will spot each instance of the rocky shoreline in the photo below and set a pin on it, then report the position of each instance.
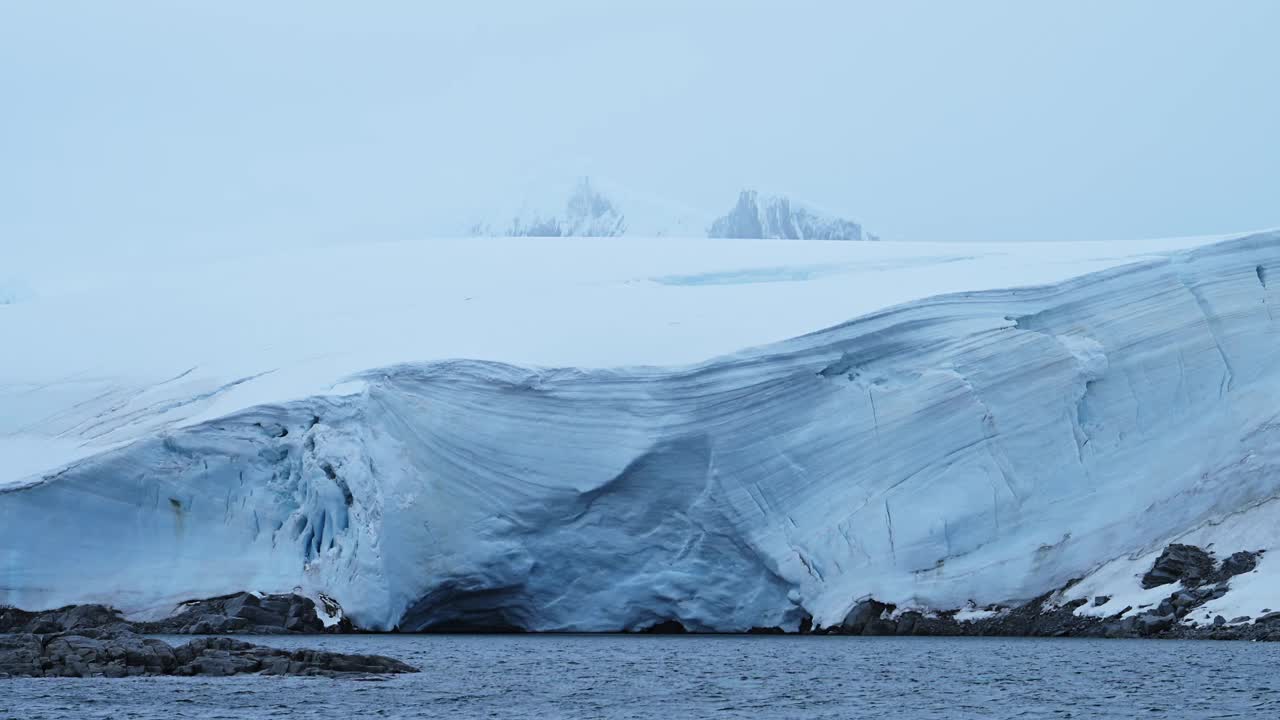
(93, 641)
(1197, 577)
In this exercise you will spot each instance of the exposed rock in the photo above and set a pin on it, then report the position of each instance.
(1151, 624)
(1038, 619)
(880, 626)
(1046, 617)
(245, 613)
(73, 633)
(1187, 563)
(862, 614)
(114, 650)
(1127, 627)
(907, 622)
(940, 624)
(73, 617)
(14, 620)
(1031, 619)
(1238, 564)
(761, 216)
(587, 213)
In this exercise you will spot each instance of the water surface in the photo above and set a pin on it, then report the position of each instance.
(603, 676)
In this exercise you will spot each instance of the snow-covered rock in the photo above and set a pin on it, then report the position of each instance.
(969, 448)
(592, 208)
(777, 217)
(586, 213)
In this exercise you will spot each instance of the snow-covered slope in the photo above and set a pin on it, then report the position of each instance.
(116, 347)
(775, 216)
(980, 446)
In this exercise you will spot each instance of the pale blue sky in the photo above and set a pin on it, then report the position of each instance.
(131, 123)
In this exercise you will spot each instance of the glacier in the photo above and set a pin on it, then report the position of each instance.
(954, 450)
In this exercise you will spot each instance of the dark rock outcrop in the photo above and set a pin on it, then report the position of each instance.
(115, 650)
(1187, 563)
(70, 618)
(248, 614)
(1237, 564)
(240, 613)
(866, 615)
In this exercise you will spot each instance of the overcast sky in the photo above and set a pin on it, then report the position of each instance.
(130, 123)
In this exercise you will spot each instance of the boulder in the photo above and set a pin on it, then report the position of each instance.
(1121, 628)
(861, 614)
(1187, 563)
(907, 622)
(1152, 624)
(1238, 564)
(880, 626)
(72, 617)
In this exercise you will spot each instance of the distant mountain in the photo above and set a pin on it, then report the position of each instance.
(587, 213)
(776, 217)
(590, 210)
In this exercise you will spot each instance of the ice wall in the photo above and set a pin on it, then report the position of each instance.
(984, 446)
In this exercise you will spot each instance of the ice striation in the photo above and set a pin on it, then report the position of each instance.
(957, 451)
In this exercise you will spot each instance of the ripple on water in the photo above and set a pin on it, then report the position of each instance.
(728, 677)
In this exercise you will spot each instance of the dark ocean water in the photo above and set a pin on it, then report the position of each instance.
(722, 677)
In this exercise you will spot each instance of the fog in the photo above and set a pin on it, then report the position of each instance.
(136, 125)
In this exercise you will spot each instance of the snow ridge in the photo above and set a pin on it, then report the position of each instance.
(972, 448)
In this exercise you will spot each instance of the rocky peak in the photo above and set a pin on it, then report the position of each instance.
(757, 216)
(587, 213)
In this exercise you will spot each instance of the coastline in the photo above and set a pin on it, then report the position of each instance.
(1191, 574)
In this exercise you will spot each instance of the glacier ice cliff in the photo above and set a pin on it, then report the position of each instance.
(969, 448)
